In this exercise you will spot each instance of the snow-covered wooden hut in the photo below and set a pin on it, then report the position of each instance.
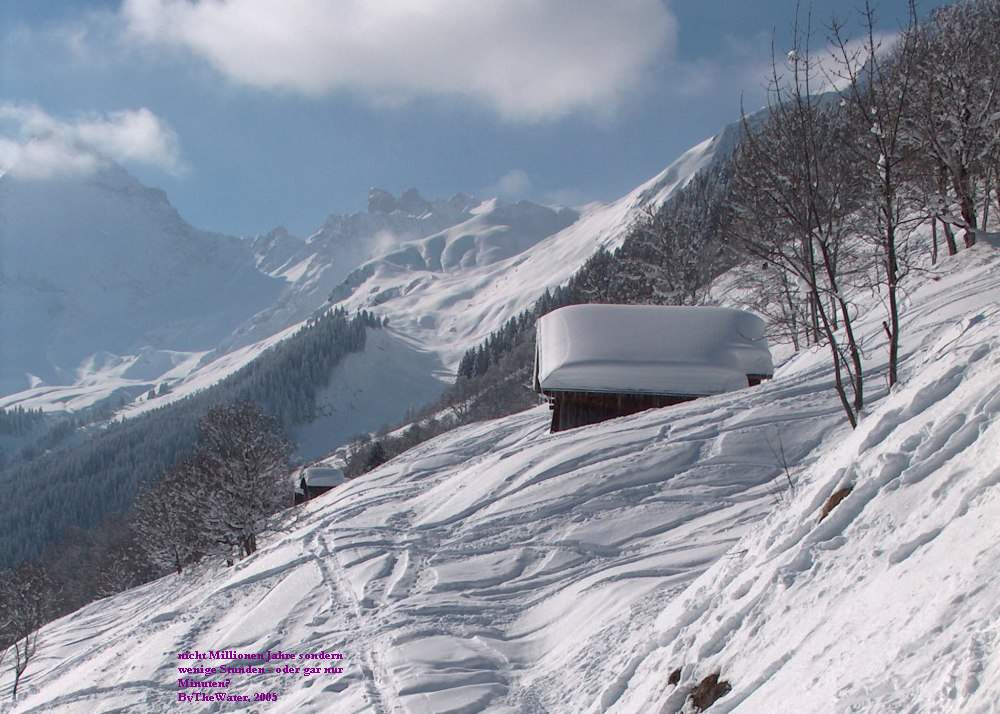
(316, 480)
(597, 362)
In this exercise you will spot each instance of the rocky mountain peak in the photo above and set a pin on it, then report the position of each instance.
(413, 203)
(381, 201)
(409, 202)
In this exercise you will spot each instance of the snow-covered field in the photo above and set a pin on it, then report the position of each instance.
(500, 568)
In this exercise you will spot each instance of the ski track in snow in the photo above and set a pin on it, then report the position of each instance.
(451, 577)
(500, 568)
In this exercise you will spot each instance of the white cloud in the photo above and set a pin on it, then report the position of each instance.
(567, 197)
(513, 184)
(826, 67)
(835, 66)
(40, 159)
(36, 145)
(528, 60)
(741, 69)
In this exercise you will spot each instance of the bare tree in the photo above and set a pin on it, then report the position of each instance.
(776, 295)
(674, 251)
(876, 100)
(243, 464)
(121, 569)
(955, 109)
(167, 519)
(25, 597)
(793, 200)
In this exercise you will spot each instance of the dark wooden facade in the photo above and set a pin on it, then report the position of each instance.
(572, 409)
(305, 492)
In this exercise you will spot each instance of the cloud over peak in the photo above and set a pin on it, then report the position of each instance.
(36, 145)
(527, 60)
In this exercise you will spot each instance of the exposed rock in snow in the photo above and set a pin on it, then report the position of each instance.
(381, 201)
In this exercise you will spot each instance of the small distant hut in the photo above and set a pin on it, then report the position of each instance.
(316, 480)
(598, 362)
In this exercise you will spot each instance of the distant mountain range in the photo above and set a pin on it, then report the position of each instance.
(106, 292)
(102, 267)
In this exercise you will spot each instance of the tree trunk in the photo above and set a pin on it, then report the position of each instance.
(970, 237)
(248, 545)
(814, 296)
(934, 242)
(838, 373)
(893, 271)
(967, 206)
(20, 663)
(949, 236)
(986, 201)
(852, 344)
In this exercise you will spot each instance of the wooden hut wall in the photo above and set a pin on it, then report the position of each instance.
(573, 409)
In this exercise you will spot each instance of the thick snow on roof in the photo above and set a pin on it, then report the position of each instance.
(650, 349)
(323, 476)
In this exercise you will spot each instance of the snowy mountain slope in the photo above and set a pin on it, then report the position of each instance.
(501, 568)
(131, 376)
(368, 389)
(889, 603)
(112, 271)
(303, 273)
(105, 376)
(104, 290)
(372, 389)
(314, 267)
(493, 230)
(450, 311)
(444, 289)
(450, 578)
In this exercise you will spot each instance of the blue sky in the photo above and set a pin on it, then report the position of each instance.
(255, 113)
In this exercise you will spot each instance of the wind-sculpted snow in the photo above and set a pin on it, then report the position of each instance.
(502, 568)
(496, 567)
